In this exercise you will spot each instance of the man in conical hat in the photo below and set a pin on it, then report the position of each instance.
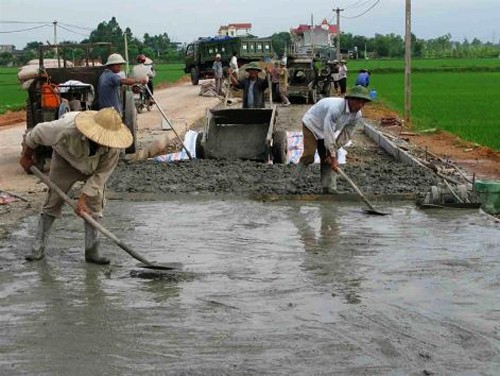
(86, 147)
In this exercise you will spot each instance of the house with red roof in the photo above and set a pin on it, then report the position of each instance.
(306, 36)
(235, 29)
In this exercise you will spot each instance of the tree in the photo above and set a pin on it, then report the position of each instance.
(6, 58)
(280, 41)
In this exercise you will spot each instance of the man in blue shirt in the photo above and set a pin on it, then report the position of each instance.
(363, 78)
(110, 82)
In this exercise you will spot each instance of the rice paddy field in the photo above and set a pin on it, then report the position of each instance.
(458, 96)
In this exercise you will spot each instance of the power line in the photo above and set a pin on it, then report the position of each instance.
(366, 11)
(22, 22)
(19, 31)
(71, 31)
(360, 4)
(76, 26)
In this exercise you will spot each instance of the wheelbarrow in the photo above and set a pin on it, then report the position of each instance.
(247, 134)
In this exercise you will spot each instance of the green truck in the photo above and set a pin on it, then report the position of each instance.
(200, 55)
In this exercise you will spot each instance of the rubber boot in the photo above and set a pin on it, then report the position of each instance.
(328, 179)
(92, 246)
(44, 225)
(298, 175)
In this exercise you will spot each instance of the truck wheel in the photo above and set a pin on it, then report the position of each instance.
(313, 96)
(279, 149)
(195, 78)
(200, 150)
(130, 119)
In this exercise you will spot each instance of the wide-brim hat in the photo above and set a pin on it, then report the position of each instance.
(104, 127)
(253, 66)
(115, 59)
(359, 92)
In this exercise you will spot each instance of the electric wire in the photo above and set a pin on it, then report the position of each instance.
(363, 13)
(19, 31)
(71, 31)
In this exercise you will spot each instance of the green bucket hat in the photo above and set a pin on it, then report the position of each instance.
(253, 66)
(359, 92)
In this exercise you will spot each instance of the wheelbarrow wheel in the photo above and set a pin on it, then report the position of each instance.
(200, 150)
(279, 149)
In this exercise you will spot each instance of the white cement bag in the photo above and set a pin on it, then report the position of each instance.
(27, 72)
(140, 72)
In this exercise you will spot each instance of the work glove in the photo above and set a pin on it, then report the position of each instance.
(333, 162)
(27, 158)
(81, 205)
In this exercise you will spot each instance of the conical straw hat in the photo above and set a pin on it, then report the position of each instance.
(104, 127)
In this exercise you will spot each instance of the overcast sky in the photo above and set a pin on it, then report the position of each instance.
(186, 20)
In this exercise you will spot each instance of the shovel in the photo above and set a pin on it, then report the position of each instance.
(87, 217)
(371, 209)
(168, 121)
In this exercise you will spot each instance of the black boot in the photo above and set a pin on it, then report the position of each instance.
(38, 250)
(92, 246)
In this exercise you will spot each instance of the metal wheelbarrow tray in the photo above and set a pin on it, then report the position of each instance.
(242, 134)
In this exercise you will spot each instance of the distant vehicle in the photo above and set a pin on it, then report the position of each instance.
(60, 88)
(302, 74)
(200, 55)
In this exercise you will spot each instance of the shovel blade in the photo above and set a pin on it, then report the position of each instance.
(163, 266)
(374, 212)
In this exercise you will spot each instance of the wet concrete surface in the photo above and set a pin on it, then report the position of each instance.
(267, 288)
(374, 171)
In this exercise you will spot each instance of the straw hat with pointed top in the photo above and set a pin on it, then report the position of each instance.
(104, 127)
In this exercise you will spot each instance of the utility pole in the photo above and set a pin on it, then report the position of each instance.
(126, 53)
(407, 109)
(338, 10)
(312, 35)
(56, 54)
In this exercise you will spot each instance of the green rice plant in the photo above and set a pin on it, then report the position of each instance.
(12, 96)
(460, 103)
(168, 73)
(425, 65)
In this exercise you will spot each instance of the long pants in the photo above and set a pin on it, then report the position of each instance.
(283, 93)
(343, 85)
(310, 147)
(218, 85)
(64, 176)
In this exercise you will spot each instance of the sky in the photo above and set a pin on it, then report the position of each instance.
(186, 20)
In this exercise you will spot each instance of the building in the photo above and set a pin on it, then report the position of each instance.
(312, 37)
(235, 29)
(7, 48)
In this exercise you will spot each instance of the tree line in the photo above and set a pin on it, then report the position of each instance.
(162, 49)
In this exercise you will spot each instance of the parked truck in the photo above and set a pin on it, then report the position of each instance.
(200, 55)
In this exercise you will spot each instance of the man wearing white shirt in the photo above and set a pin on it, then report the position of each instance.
(327, 126)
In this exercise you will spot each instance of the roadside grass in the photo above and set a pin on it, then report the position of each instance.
(465, 104)
(476, 64)
(13, 97)
(168, 73)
